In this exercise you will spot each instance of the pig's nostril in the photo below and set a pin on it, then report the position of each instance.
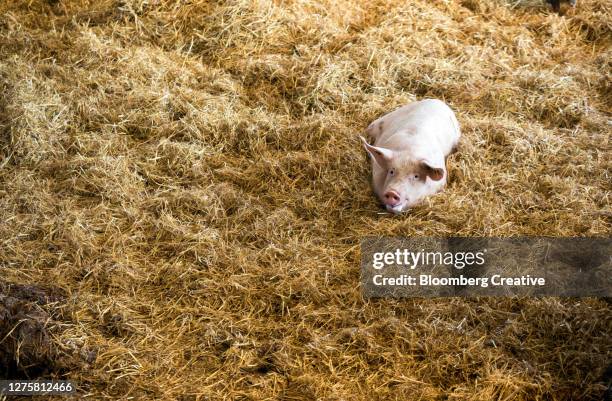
(392, 195)
(392, 198)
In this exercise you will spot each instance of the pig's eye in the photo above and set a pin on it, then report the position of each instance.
(392, 171)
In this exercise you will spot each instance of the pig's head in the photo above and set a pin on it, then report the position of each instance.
(403, 179)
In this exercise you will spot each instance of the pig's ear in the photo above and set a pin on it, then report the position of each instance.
(435, 173)
(382, 155)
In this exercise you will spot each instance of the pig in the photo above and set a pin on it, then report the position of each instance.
(409, 152)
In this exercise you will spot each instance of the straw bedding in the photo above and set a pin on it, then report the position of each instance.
(188, 175)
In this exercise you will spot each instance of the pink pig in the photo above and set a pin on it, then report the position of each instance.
(409, 153)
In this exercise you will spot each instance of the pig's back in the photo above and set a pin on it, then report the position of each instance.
(428, 120)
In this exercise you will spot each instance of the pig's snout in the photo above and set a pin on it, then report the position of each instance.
(392, 198)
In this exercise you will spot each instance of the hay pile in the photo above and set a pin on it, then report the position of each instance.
(189, 173)
(27, 316)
